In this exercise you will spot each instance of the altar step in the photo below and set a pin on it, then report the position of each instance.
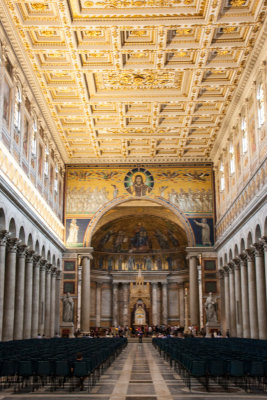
(136, 339)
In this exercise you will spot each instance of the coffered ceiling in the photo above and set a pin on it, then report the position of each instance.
(134, 80)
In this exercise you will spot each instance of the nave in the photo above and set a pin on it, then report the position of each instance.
(139, 373)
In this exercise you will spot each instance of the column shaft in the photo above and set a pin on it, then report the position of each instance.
(193, 292)
(261, 291)
(53, 301)
(115, 300)
(125, 303)
(181, 304)
(35, 295)
(10, 280)
(27, 326)
(85, 311)
(164, 304)
(252, 297)
(222, 292)
(244, 296)
(19, 295)
(47, 300)
(227, 299)
(3, 241)
(42, 298)
(238, 303)
(57, 300)
(232, 300)
(155, 303)
(98, 305)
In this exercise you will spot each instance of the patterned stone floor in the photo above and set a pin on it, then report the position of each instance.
(139, 373)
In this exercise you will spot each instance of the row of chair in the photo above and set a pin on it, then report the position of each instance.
(224, 361)
(38, 362)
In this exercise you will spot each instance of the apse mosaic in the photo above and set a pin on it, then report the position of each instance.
(188, 189)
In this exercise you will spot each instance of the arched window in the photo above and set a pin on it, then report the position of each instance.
(222, 180)
(56, 180)
(46, 163)
(244, 135)
(260, 105)
(232, 158)
(17, 109)
(34, 137)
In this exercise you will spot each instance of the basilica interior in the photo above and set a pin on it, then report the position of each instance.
(133, 168)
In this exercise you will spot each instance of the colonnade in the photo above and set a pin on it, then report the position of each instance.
(243, 283)
(29, 292)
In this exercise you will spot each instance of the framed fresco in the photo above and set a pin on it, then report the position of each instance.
(69, 265)
(69, 287)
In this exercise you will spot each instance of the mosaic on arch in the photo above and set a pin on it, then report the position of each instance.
(189, 189)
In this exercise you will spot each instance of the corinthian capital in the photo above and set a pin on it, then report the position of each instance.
(258, 247)
(4, 235)
(250, 254)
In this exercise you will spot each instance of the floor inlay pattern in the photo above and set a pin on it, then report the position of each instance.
(139, 373)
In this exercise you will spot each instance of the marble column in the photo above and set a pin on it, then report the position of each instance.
(238, 305)
(10, 282)
(85, 295)
(252, 297)
(115, 300)
(244, 295)
(27, 326)
(227, 298)
(35, 295)
(47, 304)
(260, 290)
(231, 266)
(154, 303)
(98, 305)
(222, 300)
(193, 291)
(181, 304)
(53, 301)
(57, 300)
(264, 242)
(41, 318)
(164, 303)
(19, 295)
(3, 241)
(125, 295)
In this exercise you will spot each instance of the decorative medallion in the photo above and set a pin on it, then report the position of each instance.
(139, 182)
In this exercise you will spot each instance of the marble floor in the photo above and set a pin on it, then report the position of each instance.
(139, 373)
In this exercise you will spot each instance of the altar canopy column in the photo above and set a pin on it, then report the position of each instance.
(164, 303)
(47, 299)
(260, 290)
(253, 312)
(115, 300)
(98, 304)
(19, 295)
(232, 299)
(181, 304)
(125, 295)
(35, 295)
(57, 317)
(3, 241)
(227, 299)
(154, 303)
(42, 297)
(193, 291)
(10, 282)
(53, 301)
(244, 295)
(238, 305)
(85, 295)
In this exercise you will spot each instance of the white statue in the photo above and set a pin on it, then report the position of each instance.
(205, 232)
(73, 232)
(210, 307)
(67, 308)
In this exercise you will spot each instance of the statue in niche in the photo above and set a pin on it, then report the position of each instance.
(210, 307)
(159, 263)
(110, 263)
(120, 260)
(67, 308)
(205, 231)
(169, 261)
(148, 263)
(138, 187)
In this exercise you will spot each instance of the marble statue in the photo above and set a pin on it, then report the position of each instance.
(205, 231)
(210, 307)
(67, 308)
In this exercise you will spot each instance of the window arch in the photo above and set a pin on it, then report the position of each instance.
(17, 108)
(222, 179)
(260, 105)
(232, 158)
(34, 136)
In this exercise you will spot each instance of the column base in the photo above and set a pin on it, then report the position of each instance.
(212, 327)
